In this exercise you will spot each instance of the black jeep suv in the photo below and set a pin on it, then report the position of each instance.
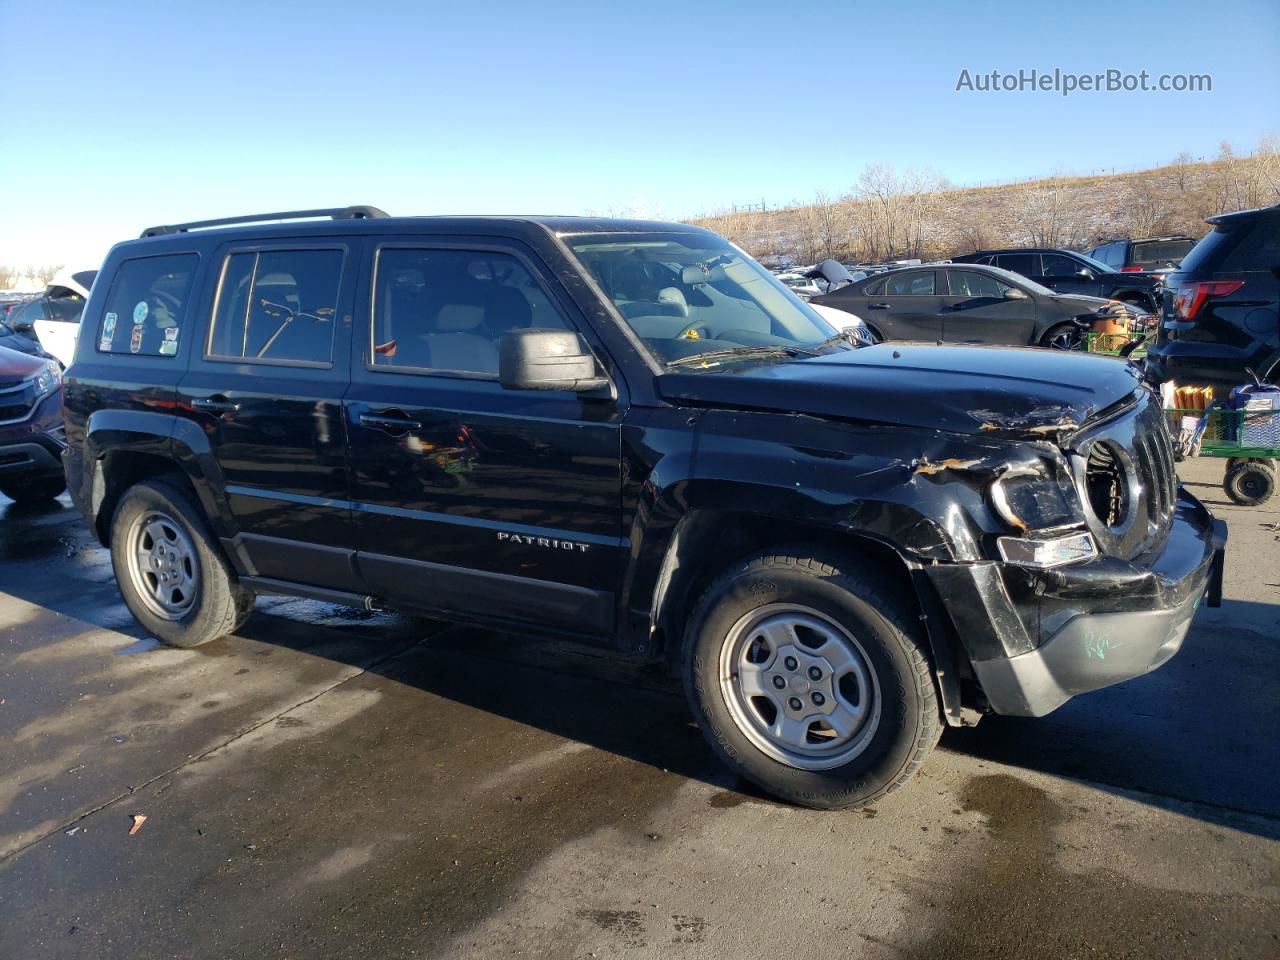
(631, 434)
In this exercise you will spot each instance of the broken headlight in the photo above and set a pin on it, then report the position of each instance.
(1042, 504)
(1036, 496)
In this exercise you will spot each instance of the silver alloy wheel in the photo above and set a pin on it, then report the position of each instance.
(1071, 339)
(799, 686)
(162, 565)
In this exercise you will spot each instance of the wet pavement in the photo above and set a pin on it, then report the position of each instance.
(332, 783)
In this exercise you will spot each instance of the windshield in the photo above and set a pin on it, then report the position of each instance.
(686, 294)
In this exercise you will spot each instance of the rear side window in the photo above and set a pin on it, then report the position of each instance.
(910, 285)
(277, 306)
(147, 305)
(1027, 264)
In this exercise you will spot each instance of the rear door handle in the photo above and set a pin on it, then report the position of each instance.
(877, 306)
(394, 425)
(215, 404)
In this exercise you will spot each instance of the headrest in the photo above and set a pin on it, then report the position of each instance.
(674, 298)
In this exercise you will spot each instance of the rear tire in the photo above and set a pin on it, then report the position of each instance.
(170, 570)
(808, 677)
(34, 491)
(1250, 482)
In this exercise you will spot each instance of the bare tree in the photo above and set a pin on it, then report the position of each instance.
(9, 276)
(43, 273)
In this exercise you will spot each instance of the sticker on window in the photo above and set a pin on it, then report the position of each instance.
(140, 312)
(135, 338)
(108, 332)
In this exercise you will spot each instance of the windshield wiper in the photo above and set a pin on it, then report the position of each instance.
(845, 335)
(764, 350)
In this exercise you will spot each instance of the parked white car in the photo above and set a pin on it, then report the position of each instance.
(58, 324)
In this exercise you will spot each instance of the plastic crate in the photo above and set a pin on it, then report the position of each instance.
(1257, 421)
(1226, 433)
(1110, 344)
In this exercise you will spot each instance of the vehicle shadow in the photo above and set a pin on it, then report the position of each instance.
(1200, 730)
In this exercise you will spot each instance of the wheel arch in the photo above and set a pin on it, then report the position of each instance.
(715, 540)
(124, 447)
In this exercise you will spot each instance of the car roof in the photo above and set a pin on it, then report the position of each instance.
(1023, 250)
(1242, 215)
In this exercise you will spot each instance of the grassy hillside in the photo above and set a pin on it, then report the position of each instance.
(889, 216)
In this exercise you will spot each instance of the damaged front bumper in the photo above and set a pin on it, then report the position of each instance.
(1036, 638)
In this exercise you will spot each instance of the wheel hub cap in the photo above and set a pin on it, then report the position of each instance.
(162, 565)
(799, 686)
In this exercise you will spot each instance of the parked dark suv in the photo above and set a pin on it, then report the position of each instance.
(1221, 315)
(31, 439)
(631, 434)
(1147, 255)
(1069, 272)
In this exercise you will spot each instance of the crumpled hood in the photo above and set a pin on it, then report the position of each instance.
(961, 389)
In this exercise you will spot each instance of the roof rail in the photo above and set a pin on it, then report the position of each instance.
(335, 213)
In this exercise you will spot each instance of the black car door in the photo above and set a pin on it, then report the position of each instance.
(906, 305)
(496, 504)
(1068, 275)
(266, 386)
(979, 309)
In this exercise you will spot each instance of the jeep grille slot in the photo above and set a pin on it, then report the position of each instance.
(1126, 477)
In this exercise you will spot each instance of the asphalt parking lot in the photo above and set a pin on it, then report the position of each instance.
(330, 783)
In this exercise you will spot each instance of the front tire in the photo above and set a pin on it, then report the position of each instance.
(808, 676)
(1065, 336)
(170, 571)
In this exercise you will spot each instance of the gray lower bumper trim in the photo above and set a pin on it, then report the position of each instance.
(1089, 652)
(26, 457)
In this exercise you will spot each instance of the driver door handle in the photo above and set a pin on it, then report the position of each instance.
(215, 404)
(394, 425)
(877, 306)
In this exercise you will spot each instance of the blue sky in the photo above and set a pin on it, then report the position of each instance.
(125, 114)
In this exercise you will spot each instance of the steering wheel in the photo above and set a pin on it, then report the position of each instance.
(689, 327)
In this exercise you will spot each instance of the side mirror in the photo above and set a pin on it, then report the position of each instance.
(1085, 272)
(541, 359)
(1014, 293)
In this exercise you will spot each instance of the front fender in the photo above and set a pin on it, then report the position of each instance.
(920, 493)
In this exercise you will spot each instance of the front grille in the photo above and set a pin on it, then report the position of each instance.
(1125, 474)
(16, 402)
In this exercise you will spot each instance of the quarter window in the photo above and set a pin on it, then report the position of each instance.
(277, 305)
(448, 309)
(147, 305)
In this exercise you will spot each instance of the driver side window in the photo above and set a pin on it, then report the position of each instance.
(968, 283)
(1056, 265)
